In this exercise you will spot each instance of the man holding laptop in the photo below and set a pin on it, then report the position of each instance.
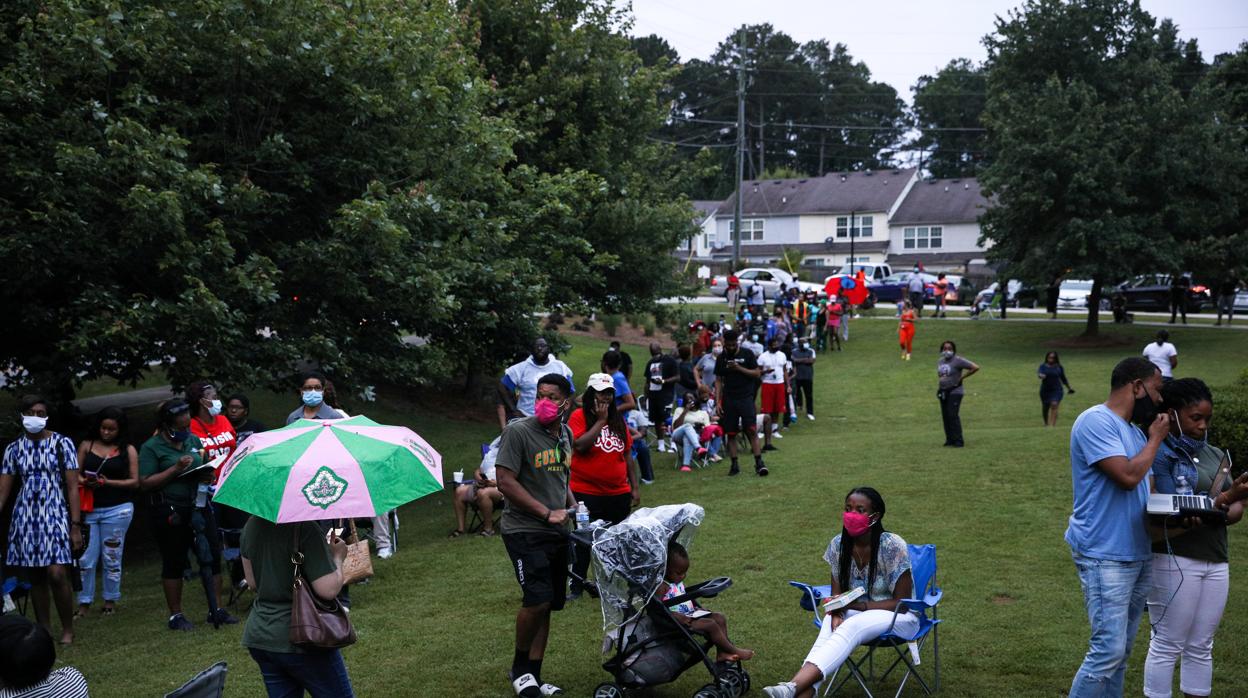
(1110, 459)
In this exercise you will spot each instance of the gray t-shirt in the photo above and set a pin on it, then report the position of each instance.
(540, 462)
(803, 372)
(950, 373)
(706, 368)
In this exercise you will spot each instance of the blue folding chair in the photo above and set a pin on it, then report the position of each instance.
(18, 590)
(926, 598)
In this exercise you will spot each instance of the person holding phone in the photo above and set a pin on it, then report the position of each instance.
(45, 534)
(164, 462)
(737, 374)
(110, 471)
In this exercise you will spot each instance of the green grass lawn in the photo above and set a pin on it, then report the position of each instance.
(438, 618)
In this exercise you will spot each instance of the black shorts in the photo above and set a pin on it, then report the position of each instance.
(739, 416)
(540, 561)
(656, 407)
(181, 532)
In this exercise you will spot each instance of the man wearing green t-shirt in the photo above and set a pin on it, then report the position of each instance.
(532, 469)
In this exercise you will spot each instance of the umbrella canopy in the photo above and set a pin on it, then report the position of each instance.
(329, 469)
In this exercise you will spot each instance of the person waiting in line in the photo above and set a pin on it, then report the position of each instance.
(1190, 565)
(482, 490)
(687, 376)
(941, 294)
(238, 411)
(951, 371)
(641, 450)
(835, 317)
(1052, 377)
(175, 511)
(1051, 295)
(774, 366)
(905, 330)
(1227, 288)
(626, 361)
(688, 424)
(737, 375)
(217, 438)
(821, 327)
(517, 389)
(863, 555)
(27, 655)
(108, 468)
(662, 373)
(1163, 355)
(45, 531)
(704, 371)
(267, 551)
(915, 287)
(610, 364)
(803, 358)
(1180, 284)
(604, 474)
(1110, 458)
(533, 474)
(752, 344)
(733, 291)
(312, 395)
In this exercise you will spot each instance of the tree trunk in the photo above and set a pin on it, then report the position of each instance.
(1094, 309)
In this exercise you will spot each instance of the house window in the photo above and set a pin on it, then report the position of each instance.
(857, 260)
(864, 226)
(751, 229)
(922, 238)
(708, 240)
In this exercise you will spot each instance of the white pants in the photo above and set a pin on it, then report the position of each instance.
(1183, 623)
(381, 532)
(832, 648)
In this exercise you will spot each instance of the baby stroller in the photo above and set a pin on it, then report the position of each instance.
(650, 647)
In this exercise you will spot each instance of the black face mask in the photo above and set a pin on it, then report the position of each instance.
(1144, 411)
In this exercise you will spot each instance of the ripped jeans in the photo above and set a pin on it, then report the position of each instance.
(105, 545)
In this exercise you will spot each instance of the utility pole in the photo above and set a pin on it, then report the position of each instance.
(853, 233)
(736, 214)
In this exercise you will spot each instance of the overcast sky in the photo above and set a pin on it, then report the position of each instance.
(900, 40)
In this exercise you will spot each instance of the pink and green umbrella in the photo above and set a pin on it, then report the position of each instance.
(337, 468)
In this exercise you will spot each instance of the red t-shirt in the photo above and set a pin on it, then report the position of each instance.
(604, 470)
(217, 436)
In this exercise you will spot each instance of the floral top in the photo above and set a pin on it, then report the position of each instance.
(892, 562)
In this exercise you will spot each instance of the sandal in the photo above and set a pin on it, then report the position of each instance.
(487, 534)
(456, 533)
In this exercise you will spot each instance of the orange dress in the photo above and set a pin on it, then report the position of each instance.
(905, 331)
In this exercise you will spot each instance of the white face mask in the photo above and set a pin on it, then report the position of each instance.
(214, 409)
(34, 425)
(717, 350)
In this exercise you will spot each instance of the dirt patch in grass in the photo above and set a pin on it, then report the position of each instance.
(1002, 599)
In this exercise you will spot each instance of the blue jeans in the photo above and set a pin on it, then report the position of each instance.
(1115, 594)
(321, 673)
(641, 452)
(105, 543)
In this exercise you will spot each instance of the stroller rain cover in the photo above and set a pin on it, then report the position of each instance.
(630, 558)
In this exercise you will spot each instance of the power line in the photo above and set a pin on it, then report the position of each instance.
(834, 127)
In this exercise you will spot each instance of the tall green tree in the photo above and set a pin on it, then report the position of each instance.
(1091, 167)
(223, 188)
(947, 110)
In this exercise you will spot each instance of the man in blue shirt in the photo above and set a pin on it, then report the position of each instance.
(517, 389)
(624, 399)
(1110, 458)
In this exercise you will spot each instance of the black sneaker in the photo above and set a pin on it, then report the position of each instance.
(769, 447)
(179, 622)
(761, 469)
(734, 470)
(222, 617)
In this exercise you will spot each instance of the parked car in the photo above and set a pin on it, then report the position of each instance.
(873, 272)
(770, 278)
(1241, 301)
(1152, 292)
(1073, 293)
(1018, 294)
(896, 287)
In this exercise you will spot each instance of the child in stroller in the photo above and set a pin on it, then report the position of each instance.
(693, 616)
(651, 645)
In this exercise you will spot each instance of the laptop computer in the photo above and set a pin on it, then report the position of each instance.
(1185, 505)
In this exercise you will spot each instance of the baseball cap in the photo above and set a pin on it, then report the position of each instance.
(600, 381)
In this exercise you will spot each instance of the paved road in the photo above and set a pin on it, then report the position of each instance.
(126, 400)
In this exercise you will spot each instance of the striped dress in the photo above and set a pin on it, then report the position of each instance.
(66, 682)
(39, 533)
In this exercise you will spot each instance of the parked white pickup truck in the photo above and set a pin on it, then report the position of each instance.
(770, 278)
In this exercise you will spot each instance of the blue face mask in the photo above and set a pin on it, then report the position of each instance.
(313, 398)
(180, 436)
(1190, 444)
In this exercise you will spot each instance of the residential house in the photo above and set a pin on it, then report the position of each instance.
(831, 220)
(937, 224)
(700, 245)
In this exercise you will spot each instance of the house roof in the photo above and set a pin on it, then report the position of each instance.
(934, 257)
(706, 208)
(942, 201)
(835, 192)
(806, 248)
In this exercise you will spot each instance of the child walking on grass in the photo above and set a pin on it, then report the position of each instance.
(713, 625)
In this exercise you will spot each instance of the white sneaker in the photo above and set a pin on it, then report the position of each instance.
(661, 447)
(386, 553)
(788, 689)
(811, 417)
(526, 687)
(549, 689)
(776, 434)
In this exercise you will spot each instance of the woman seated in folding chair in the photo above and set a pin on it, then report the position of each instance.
(877, 561)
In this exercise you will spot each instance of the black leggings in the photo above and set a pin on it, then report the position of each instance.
(611, 508)
(177, 531)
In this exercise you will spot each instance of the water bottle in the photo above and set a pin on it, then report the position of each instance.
(582, 515)
(1182, 485)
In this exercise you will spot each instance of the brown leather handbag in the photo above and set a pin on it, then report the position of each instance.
(358, 564)
(315, 622)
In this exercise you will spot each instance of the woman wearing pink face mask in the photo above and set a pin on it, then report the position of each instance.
(875, 560)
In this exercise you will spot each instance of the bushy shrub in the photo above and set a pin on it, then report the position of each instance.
(611, 323)
(1230, 421)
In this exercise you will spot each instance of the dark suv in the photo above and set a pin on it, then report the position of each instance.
(1152, 292)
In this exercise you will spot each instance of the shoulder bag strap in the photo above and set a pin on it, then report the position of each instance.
(296, 556)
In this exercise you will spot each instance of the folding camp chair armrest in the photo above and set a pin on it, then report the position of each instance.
(810, 593)
(924, 603)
